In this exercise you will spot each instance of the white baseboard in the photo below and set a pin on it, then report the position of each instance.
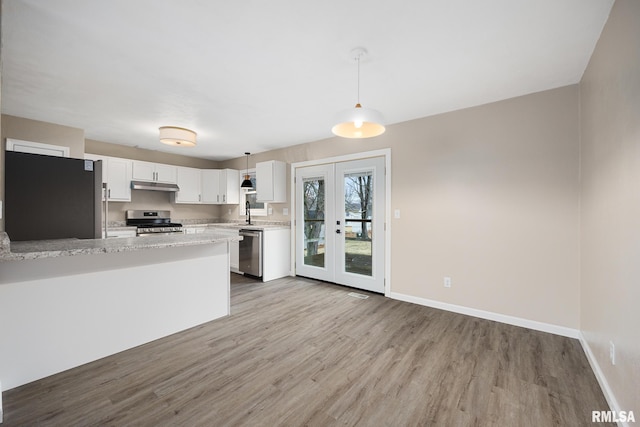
(602, 380)
(510, 320)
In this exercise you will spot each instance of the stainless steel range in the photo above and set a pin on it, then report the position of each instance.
(152, 222)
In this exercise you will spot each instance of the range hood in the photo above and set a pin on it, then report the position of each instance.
(154, 186)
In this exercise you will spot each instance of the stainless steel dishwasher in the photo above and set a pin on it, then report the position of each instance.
(250, 253)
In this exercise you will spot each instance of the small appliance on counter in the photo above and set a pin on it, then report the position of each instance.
(152, 222)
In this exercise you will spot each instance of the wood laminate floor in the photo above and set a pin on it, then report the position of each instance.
(298, 352)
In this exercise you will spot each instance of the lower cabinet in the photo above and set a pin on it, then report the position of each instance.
(276, 253)
(234, 255)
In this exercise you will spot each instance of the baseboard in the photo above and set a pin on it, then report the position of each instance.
(510, 320)
(602, 380)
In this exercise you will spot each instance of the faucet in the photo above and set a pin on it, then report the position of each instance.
(247, 212)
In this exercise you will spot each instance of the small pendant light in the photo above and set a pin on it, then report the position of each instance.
(358, 122)
(247, 179)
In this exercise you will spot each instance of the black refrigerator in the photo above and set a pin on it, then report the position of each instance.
(48, 197)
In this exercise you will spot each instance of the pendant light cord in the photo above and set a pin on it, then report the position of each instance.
(358, 59)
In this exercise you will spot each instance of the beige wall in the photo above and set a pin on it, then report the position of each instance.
(37, 131)
(47, 133)
(610, 197)
(488, 196)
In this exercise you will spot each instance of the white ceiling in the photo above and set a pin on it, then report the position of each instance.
(257, 75)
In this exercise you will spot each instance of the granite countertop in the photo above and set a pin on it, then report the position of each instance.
(69, 247)
(243, 226)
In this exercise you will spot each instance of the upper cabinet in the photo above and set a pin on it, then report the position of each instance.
(116, 173)
(154, 172)
(118, 179)
(190, 183)
(220, 186)
(271, 181)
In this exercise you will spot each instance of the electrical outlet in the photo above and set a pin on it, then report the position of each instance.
(396, 214)
(285, 211)
(612, 352)
(447, 282)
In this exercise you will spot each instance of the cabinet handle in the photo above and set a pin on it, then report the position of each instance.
(199, 197)
(224, 198)
(109, 194)
(217, 198)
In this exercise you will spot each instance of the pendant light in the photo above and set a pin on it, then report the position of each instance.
(247, 179)
(179, 137)
(358, 122)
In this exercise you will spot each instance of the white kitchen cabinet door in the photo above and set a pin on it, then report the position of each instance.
(143, 171)
(210, 186)
(190, 183)
(154, 172)
(271, 181)
(276, 254)
(234, 256)
(118, 179)
(220, 186)
(230, 186)
(166, 173)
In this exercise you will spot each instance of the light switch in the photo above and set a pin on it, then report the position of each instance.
(270, 211)
(396, 214)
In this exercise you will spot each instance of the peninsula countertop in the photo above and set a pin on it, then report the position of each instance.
(37, 249)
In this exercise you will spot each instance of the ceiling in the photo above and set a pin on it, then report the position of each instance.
(258, 75)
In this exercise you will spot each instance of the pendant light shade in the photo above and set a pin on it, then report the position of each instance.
(358, 122)
(180, 137)
(247, 178)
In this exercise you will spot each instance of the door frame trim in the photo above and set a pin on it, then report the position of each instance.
(384, 152)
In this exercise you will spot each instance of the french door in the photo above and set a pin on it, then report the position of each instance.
(340, 210)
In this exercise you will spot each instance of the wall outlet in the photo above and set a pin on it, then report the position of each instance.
(270, 211)
(447, 282)
(396, 214)
(285, 211)
(612, 352)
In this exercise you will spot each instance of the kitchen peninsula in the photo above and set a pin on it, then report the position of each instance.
(67, 302)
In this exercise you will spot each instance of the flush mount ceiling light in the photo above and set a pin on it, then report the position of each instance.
(247, 179)
(358, 122)
(179, 137)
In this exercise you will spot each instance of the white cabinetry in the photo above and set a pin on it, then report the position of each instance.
(271, 181)
(276, 255)
(154, 172)
(119, 179)
(190, 183)
(230, 186)
(116, 173)
(234, 256)
(210, 186)
(220, 186)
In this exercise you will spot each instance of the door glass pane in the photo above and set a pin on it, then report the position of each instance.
(358, 220)
(314, 225)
